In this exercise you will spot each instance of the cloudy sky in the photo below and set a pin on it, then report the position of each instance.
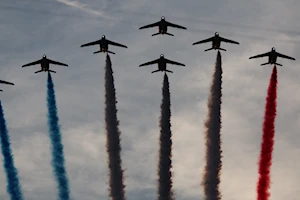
(57, 28)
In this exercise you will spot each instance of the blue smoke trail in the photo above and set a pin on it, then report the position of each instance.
(13, 186)
(58, 162)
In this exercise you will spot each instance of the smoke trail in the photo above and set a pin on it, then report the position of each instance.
(58, 162)
(165, 162)
(265, 159)
(211, 178)
(13, 186)
(113, 137)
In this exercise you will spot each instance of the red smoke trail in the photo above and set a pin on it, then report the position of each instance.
(265, 160)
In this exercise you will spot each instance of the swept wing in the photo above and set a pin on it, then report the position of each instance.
(56, 63)
(227, 40)
(150, 63)
(175, 25)
(116, 44)
(5, 82)
(284, 56)
(204, 41)
(33, 63)
(150, 25)
(173, 62)
(91, 43)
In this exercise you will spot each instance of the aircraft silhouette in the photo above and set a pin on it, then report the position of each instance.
(162, 64)
(45, 62)
(103, 43)
(162, 26)
(216, 42)
(272, 57)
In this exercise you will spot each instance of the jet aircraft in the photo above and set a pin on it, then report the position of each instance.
(216, 42)
(103, 43)
(162, 64)
(45, 62)
(162, 26)
(272, 57)
(5, 82)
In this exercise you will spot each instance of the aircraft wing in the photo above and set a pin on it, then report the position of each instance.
(150, 63)
(116, 44)
(56, 63)
(173, 62)
(204, 41)
(150, 25)
(32, 63)
(91, 43)
(260, 55)
(175, 25)
(229, 41)
(284, 56)
(5, 82)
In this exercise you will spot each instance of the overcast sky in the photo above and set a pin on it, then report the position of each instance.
(32, 28)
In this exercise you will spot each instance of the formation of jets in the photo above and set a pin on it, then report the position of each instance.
(162, 62)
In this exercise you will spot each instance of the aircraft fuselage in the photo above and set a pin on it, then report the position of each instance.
(162, 65)
(44, 65)
(162, 28)
(273, 57)
(103, 45)
(216, 42)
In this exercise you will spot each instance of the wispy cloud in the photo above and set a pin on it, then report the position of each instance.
(84, 7)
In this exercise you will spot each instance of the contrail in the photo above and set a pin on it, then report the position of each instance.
(58, 161)
(165, 153)
(265, 160)
(211, 178)
(117, 188)
(13, 186)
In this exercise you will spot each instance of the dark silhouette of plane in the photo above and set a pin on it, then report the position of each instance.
(272, 57)
(103, 43)
(162, 26)
(45, 62)
(216, 42)
(162, 64)
(5, 82)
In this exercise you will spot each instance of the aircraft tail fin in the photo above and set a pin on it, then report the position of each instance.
(222, 49)
(98, 51)
(265, 64)
(110, 52)
(155, 71)
(155, 34)
(278, 64)
(169, 71)
(169, 34)
(52, 71)
(38, 71)
(209, 49)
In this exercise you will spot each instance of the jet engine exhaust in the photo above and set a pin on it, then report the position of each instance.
(58, 160)
(211, 178)
(265, 159)
(165, 153)
(13, 185)
(113, 146)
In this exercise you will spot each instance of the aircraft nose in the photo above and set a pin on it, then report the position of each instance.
(273, 48)
(103, 36)
(162, 17)
(161, 55)
(217, 33)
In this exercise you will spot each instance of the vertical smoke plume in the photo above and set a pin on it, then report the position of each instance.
(165, 162)
(211, 178)
(265, 160)
(58, 161)
(13, 186)
(113, 137)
